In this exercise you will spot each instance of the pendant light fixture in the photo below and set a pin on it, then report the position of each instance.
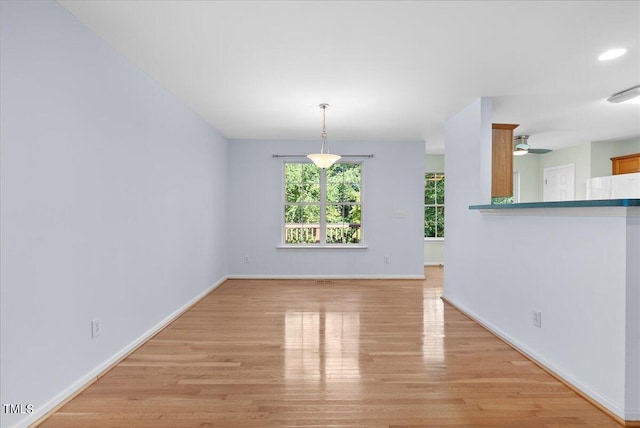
(324, 159)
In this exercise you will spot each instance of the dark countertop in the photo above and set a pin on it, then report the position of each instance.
(561, 204)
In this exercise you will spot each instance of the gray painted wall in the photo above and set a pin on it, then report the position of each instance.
(113, 204)
(392, 180)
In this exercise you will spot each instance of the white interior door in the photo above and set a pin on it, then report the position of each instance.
(559, 183)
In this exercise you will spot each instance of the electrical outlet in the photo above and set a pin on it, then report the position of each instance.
(96, 328)
(246, 259)
(537, 319)
(386, 259)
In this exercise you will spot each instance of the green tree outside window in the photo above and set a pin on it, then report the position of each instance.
(434, 205)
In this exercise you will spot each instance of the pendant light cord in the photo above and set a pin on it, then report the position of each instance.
(324, 129)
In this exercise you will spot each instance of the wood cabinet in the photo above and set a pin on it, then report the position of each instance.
(502, 160)
(625, 164)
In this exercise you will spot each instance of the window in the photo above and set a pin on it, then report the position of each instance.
(434, 205)
(322, 207)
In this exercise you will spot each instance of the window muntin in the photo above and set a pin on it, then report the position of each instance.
(322, 207)
(434, 205)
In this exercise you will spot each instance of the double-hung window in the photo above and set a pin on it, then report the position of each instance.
(322, 206)
(434, 205)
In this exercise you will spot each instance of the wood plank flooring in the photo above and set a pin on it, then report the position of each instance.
(371, 353)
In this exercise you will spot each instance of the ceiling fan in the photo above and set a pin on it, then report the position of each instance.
(522, 147)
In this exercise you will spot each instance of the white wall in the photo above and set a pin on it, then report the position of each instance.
(113, 205)
(392, 180)
(576, 270)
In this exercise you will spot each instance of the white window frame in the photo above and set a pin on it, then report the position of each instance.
(433, 238)
(323, 210)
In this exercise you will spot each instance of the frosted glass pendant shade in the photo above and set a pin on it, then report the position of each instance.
(323, 160)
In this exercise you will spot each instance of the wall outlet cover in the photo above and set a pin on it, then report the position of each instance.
(96, 328)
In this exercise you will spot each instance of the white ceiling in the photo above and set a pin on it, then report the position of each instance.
(391, 70)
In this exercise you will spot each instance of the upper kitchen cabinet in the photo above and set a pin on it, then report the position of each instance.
(626, 164)
(502, 160)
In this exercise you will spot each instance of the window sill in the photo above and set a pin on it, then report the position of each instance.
(321, 247)
(433, 239)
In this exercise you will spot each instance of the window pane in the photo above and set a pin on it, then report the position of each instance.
(333, 214)
(351, 214)
(429, 189)
(351, 192)
(440, 189)
(335, 234)
(429, 222)
(343, 192)
(292, 214)
(292, 219)
(344, 172)
(338, 213)
(311, 192)
(343, 234)
(335, 192)
(293, 193)
(310, 173)
(302, 183)
(311, 214)
(352, 219)
(343, 224)
(302, 224)
(343, 183)
(352, 234)
(335, 224)
(440, 222)
(293, 173)
(310, 234)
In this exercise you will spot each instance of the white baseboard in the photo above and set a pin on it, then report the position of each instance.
(85, 381)
(596, 398)
(322, 277)
(433, 263)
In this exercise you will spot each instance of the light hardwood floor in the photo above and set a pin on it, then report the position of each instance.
(374, 353)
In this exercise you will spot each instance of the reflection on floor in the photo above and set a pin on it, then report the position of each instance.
(322, 346)
(342, 353)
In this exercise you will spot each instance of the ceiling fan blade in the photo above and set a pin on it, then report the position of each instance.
(539, 151)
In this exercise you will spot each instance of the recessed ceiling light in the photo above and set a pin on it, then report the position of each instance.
(612, 53)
